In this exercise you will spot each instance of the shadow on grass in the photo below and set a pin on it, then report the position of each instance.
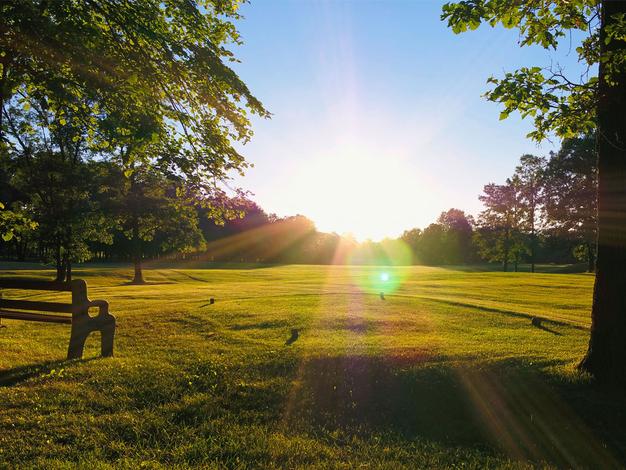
(511, 406)
(577, 268)
(20, 374)
(484, 308)
(260, 325)
(545, 328)
(145, 283)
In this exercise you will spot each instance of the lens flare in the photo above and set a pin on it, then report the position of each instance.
(388, 260)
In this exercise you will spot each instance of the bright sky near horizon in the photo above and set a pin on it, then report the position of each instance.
(378, 122)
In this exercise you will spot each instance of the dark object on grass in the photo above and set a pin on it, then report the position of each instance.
(75, 313)
(382, 296)
(536, 321)
(293, 338)
(211, 301)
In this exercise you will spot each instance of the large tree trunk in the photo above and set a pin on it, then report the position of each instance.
(531, 216)
(137, 251)
(59, 263)
(68, 270)
(505, 249)
(591, 258)
(533, 237)
(138, 278)
(606, 356)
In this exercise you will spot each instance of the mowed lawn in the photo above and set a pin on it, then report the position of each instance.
(445, 371)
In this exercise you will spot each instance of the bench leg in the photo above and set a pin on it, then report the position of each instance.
(78, 336)
(107, 334)
(82, 327)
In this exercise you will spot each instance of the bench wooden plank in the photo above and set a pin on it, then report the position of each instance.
(35, 285)
(35, 305)
(40, 317)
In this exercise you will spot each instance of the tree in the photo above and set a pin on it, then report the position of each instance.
(457, 238)
(570, 182)
(570, 108)
(61, 198)
(152, 209)
(148, 83)
(528, 175)
(498, 236)
(413, 238)
(50, 168)
(431, 247)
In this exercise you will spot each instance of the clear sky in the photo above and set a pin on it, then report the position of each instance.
(378, 122)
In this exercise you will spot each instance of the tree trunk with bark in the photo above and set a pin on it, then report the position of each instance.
(591, 259)
(60, 267)
(137, 255)
(533, 235)
(606, 356)
(68, 270)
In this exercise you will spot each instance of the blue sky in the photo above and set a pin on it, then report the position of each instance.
(378, 122)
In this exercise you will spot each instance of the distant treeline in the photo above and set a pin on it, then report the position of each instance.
(545, 212)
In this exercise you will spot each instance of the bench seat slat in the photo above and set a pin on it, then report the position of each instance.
(40, 317)
(35, 285)
(35, 305)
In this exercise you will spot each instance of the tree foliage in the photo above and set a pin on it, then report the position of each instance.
(500, 236)
(554, 101)
(570, 180)
(14, 224)
(145, 86)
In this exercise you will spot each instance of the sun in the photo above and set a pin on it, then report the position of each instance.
(352, 190)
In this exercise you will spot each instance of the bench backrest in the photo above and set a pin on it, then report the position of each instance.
(77, 287)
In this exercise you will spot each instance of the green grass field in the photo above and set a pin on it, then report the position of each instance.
(447, 371)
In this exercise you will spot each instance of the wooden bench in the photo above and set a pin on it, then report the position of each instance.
(75, 314)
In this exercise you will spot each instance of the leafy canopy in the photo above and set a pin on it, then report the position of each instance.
(124, 63)
(556, 103)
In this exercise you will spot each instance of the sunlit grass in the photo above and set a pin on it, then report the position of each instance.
(446, 370)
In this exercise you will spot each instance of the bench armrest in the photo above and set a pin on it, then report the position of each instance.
(103, 306)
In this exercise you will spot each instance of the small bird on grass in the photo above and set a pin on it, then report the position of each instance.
(536, 321)
(293, 338)
(382, 296)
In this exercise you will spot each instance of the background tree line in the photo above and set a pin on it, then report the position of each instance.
(544, 213)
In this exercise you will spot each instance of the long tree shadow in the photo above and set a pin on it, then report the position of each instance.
(21, 374)
(512, 407)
